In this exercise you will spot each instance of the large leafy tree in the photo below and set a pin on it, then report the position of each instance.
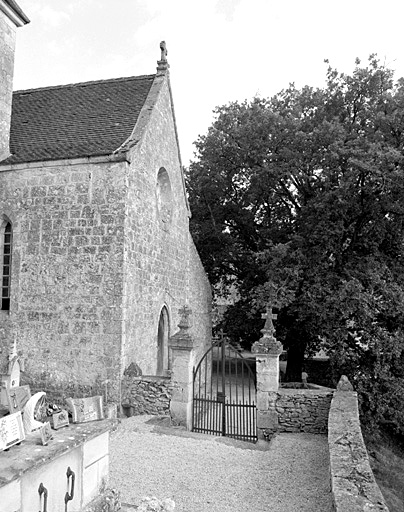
(299, 199)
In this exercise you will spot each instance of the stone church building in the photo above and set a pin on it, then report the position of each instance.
(96, 257)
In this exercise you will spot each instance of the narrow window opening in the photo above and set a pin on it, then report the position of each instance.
(6, 270)
(163, 363)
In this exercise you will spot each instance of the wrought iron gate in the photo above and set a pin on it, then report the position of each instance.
(224, 394)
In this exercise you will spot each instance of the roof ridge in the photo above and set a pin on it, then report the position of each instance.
(83, 84)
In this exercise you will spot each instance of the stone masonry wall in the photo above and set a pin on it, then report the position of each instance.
(7, 45)
(303, 410)
(353, 486)
(146, 395)
(66, 287)
(200, 297)
(161, 268)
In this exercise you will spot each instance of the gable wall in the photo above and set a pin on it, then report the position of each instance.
(66, 288)
(161, 266)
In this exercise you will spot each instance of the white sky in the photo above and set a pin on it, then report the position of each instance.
(218, 50)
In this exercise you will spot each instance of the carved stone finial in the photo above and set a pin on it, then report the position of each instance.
(162, 64)
(163, 48)
(344, 384)
(182, 339)
(185, 312)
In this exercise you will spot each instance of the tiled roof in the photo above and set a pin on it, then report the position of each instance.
(76, 120)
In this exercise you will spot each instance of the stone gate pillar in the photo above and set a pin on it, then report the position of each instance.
(181, 345)
(267, 351)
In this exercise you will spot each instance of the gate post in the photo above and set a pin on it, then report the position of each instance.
(267, 351)
(181, 345)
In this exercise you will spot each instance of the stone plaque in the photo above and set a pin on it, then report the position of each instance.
(86, 409)
(46, 433)
(17, 398)
(59, 419)
(11, 430)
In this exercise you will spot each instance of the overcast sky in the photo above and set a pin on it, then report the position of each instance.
(218, 50)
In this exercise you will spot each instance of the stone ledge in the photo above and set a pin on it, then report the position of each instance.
(353, 485)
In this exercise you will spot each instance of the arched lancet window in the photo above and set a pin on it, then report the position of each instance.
(163, 363)
(7, 235)
(164, 196)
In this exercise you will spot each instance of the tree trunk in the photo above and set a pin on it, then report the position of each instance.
(294, 365)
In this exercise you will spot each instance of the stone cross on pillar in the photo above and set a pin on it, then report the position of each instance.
(267, 351)
(268, 344)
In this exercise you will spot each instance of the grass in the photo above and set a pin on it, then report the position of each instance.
(386, 455)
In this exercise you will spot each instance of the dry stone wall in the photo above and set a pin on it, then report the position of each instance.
(146, 395)
(303, 410)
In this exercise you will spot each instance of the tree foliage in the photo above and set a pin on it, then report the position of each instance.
(299, 199)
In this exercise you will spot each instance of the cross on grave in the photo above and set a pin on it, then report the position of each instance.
(268, 316)
(222, 334)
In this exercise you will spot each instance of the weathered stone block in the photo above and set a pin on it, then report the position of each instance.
(267, 420)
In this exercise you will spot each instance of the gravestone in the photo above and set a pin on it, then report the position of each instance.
(17, 397)
(46, 433)
(59, 419)
(11, 430)
(86, 409)
(30, 423)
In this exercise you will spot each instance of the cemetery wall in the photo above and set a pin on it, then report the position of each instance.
(303, 410)
(146, 395)
(353, 485)
(294, 410)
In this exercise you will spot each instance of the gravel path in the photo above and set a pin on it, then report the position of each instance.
(208, 474)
